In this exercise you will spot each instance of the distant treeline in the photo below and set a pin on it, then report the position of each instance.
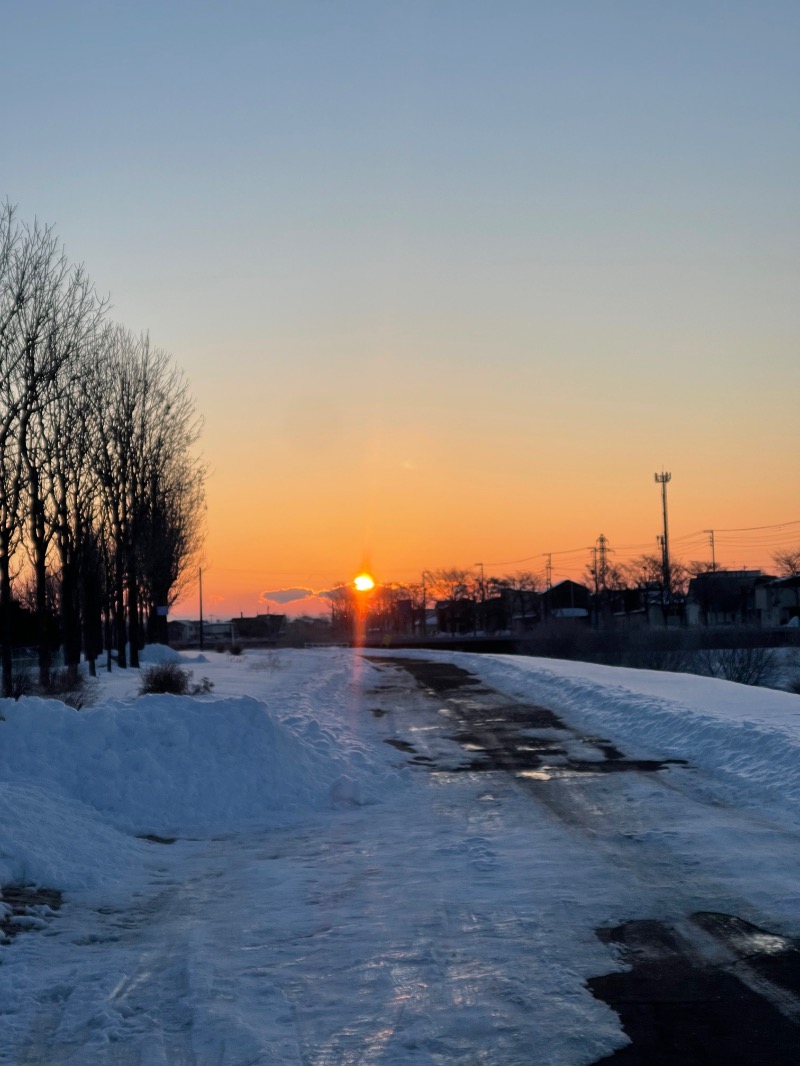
(101, 487)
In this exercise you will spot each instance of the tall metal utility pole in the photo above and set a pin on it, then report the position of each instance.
(663, 479)
(713, 556)
(424, 619)
(483, 582)
(483, 596)
(602, 560)
(201, 607)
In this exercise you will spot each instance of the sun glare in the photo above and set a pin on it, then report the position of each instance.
(364, 583)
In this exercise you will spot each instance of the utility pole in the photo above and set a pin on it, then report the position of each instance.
(713, 556)
(201, 607)
(483, 583)
(599, 569)
(548, 580)
(483, 599)
(663, 479)
(424, 619)
(602, 560)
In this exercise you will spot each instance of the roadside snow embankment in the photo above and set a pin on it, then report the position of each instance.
(75, 786)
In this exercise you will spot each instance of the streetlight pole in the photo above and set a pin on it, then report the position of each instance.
(201, 607)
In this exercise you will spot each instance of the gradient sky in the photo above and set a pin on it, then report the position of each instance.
(451, 280)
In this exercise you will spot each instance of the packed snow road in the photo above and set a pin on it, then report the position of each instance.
(372, 865)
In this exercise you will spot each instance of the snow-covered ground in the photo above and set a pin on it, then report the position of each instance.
(325, 902)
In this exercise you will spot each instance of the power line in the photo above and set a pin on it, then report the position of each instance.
(748, 529)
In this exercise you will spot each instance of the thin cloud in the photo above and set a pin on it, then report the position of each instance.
(287, 595)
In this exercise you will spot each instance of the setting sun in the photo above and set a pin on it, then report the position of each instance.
(364, 583)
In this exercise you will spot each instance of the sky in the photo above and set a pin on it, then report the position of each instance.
(451, 281)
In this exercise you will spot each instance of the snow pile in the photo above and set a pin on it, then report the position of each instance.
(76, 788)
(47, 839)
(156, 654)
(177, 765)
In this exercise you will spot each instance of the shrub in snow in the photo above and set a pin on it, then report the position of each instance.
(71, 688)
(21, 684)
(747, 666)
(171, 678)
(164, 677)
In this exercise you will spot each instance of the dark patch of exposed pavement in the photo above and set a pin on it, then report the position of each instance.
(681, 1008)
(26, 907)
(515, 737)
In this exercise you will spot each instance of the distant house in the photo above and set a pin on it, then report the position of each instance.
(262, 629)
(778, 602)
(566, 600)
(524, 608)
(456, 617)
(185, 632)
(725, 598)
(631, 608)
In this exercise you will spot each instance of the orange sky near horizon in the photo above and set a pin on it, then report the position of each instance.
(399, 510)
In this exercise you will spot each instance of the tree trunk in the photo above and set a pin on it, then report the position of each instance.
(133, 614)
(119, 613)
(39, 546)
(70, 616)
(5, 618)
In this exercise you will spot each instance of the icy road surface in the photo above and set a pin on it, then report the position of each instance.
(350, 889)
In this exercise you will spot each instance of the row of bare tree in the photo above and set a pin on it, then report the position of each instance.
(101, 488)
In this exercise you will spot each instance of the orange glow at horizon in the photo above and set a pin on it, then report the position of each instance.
(515, 499)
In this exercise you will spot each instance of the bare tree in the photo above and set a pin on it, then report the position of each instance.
(456, 590)
(169, 536)
(44, 306)
(787, 562)
(520, 590)
(151, 481)
(99, 480)
(56, 324)
(73, 494)
(14, 287)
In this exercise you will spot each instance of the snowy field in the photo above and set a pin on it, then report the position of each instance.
(326, 902)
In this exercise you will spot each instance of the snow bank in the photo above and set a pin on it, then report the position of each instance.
(50, 839)
(175, 765)
(750, 737)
